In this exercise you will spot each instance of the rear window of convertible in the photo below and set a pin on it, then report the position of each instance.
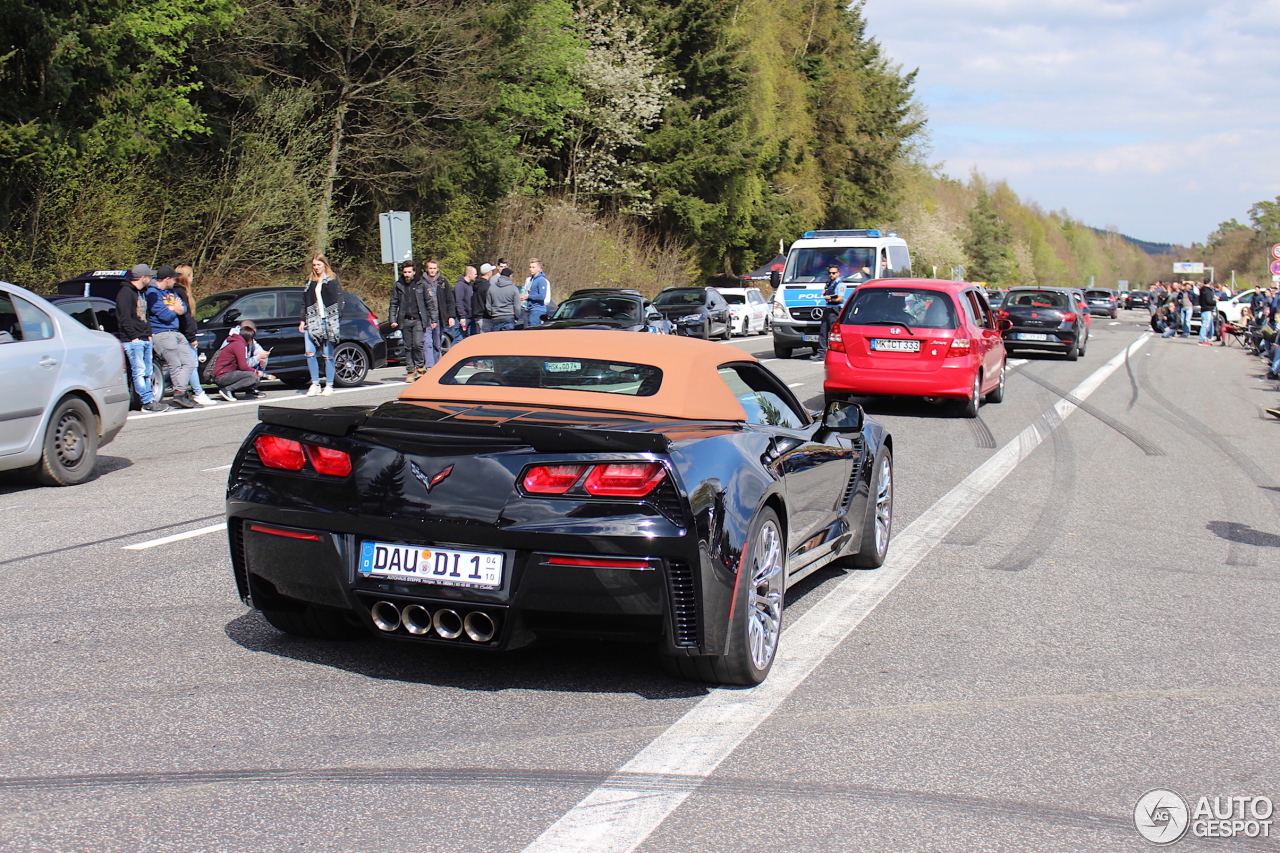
(563, 374)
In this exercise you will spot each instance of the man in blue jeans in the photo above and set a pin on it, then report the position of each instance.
(539, 299)
(134, 331)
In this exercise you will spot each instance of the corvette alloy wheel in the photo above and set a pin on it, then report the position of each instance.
(764, 596)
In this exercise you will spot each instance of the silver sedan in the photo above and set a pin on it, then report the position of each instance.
(63, 390)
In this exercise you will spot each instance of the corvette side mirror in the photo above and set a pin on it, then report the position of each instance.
(843, 416)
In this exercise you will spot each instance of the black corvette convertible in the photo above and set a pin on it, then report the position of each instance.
(658, 487)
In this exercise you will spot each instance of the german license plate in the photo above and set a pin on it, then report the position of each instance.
(894, 345)
(1032, 336)
(811, 339)
(446, 566)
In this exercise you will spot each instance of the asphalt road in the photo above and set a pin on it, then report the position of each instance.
(1080, 606)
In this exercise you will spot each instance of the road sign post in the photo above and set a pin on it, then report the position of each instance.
(397, 238)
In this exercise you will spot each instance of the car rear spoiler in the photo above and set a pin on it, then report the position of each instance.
(344, 421)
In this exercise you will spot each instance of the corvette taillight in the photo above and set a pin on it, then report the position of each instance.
(624, 479)
(552, 479)
(277, 452)
(326, 460)
(959, 346)
(835, 340)
(289, 455)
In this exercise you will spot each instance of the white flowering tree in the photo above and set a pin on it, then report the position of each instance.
(624, 93)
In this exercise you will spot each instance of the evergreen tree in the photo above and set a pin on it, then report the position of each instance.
(989, 243)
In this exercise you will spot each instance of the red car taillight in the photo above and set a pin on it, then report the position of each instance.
(959, 346)
(289, 455)
(373, 318)
(1068, 316)
(277, 452)
(624, 479)
(326, 460)
(835, 340)
(552, 479)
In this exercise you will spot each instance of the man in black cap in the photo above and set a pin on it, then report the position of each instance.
(134, 331)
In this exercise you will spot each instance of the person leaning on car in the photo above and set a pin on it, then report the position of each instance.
(165, 309)
(135, 333)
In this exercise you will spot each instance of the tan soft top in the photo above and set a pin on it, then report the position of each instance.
(690, 389)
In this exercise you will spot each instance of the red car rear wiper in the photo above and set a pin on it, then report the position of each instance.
(884, 323)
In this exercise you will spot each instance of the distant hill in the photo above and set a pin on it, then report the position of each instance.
(1146, 246)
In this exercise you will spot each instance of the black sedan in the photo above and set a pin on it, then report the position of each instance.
(1137, 299)
(700, 312)
(608, 308)
(275, 311)
(671, 492)
(1044, 318)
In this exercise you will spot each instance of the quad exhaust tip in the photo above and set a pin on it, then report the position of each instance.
(386, 616)
(477, 625)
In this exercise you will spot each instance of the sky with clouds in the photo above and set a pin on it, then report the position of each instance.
(1158, 117)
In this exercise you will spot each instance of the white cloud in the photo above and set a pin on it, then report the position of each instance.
(1161, 116)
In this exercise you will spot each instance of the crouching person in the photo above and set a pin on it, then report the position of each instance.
(232, 372)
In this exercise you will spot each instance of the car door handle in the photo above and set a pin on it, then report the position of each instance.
(48, 361)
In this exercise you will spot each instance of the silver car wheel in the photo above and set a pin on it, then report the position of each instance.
(764, 600)
(884, 504)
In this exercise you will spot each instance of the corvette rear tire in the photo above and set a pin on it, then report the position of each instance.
(756, 626)
(322, 623)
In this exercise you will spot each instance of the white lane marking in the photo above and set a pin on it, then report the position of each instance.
(226, 467)
(1016, 362)
(270, 401)
(177, 537)
(1115, 323)
(617, 817)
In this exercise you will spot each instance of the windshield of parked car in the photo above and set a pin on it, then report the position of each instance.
(619, 309)
(562, 373)
(856, 263)
(681, 297)
(916, 308)
(1036, 299)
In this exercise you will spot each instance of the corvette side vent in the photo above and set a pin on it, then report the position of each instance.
(852, 488)
(684, 607)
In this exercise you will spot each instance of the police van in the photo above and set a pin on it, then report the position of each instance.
(860, 254)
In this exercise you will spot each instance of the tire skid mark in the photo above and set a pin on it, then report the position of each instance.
(131, 535)
(1238, 554)
(1133, 382)
(982, 433)
(1041, 534)
(1146, 446)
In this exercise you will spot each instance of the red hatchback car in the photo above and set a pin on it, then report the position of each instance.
(919, 338)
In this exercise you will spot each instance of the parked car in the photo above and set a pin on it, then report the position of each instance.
(1137, 299)
(748, 308)
(276, 311)
(395, 342)
(65, 393)
(699, 312)
(919, 338)
(608, 308)
(1103, 302)
(1232, 308)
(1045, 318)
(673, 490)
